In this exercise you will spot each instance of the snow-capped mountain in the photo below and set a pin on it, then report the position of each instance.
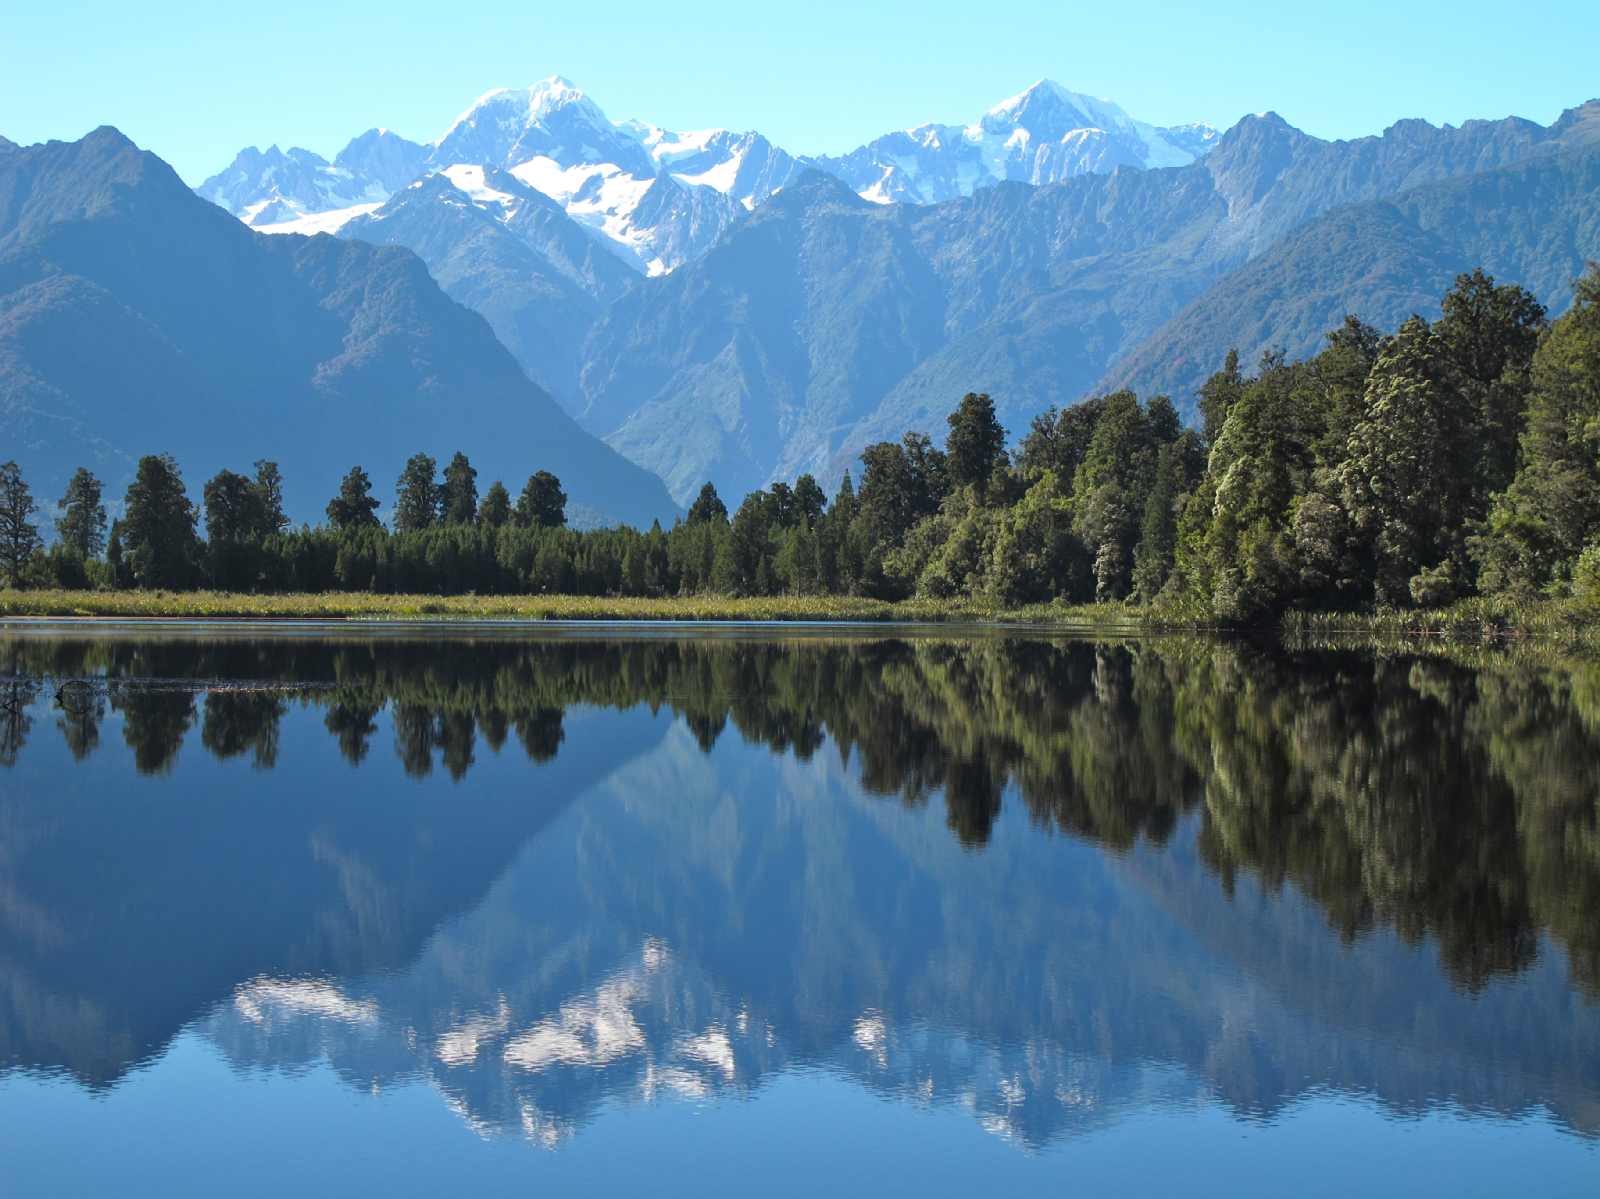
(302, 192)
(659, 198)
(655, 197)
(1043, 135)
(512, 254)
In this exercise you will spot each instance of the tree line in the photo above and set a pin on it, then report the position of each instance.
(1446, 459)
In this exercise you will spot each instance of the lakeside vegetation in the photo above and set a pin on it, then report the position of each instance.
(1568, 622)
(204, 605)
(1444, 477)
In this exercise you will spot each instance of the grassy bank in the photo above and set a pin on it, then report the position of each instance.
(212, 605)
(1481, 618)
(1561, 621)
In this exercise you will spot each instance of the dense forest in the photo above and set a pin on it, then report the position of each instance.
(1418, 467)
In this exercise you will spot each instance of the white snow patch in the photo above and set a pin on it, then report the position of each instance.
(722, 176)
(470, 179)
(318, 222)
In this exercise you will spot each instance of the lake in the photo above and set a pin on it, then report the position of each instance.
(592, 910)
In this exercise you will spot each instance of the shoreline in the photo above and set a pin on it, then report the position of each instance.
(154, 608)
(1479, 620)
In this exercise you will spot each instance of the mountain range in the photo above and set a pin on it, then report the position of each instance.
(137, 318)
(714, 308)
(823, 323)
(659, 198)
(792, 310)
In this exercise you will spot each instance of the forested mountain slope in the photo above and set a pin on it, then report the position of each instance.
(1534, 223)
(824, 323)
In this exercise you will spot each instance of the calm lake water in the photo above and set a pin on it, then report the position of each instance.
(837, 911)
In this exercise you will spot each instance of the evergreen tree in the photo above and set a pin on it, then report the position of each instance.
(116, 568)
(542, 504)
(19, 537)
(781, 510)
(1540, 525)
(458, 501)
(1218, 395)
(1488, 335)
(1111, 487)
(158, 527)
(234, 509)
(1158, 526)
(707, 507)
(1058, 441)
(1035, 556)
(269, 493)
(82, 523)
(748, 549)
(495, 511)
(1404, 476)
(901, 483)
(417, 495)
(809, 500)
(976, 444)
(354, 507)
(1232, 548)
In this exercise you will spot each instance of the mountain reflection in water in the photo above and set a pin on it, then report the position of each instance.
(1051, 880)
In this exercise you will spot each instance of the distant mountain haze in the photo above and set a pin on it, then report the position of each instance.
(824, 323)
(137, 318)
(1534, 222)
(659, 198)
(716, 308)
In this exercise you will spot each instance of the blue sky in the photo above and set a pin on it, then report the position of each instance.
(195, 81)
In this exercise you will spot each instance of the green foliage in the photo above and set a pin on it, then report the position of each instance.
(707, 507)
(458, 498)
(1542, 522)
(269, 492)
(1375, 475)
(1586, 576)
(354, 507)
(1036, 556)
(1059, 440)
(542, 504)
(495, 510)
(19, 536)
(81, 526)
(158, 546)
(417, 495)
(976, 445)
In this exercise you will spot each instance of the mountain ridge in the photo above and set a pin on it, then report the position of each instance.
(813, 329)
(189, 310)
(560, 141)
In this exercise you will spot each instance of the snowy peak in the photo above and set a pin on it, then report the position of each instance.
(1049, 111)
(745, 166)
(272, 186)
(658, 197)
(1042, 135)
(529, 105)
(384, 158)
(551, 119)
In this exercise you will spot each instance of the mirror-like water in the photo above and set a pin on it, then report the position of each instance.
(723, 913)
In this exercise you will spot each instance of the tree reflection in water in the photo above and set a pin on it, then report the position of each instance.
(1445, 796)
(949, 866)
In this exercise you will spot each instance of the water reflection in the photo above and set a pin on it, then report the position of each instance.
(1046, 879)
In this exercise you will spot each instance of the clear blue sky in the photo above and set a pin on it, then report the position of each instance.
(196, 81)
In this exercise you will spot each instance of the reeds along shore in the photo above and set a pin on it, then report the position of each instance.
(1560, 621)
